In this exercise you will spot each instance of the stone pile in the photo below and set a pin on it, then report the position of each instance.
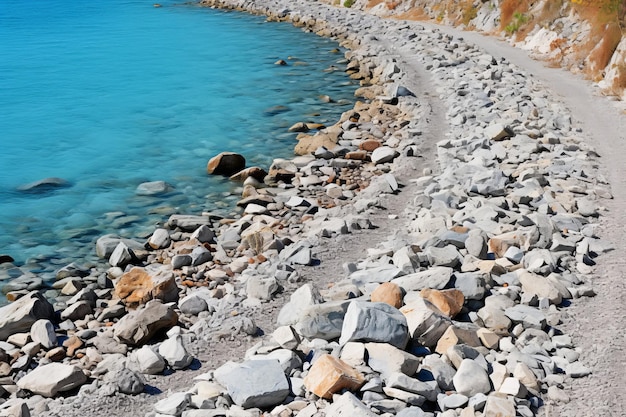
(455, 314)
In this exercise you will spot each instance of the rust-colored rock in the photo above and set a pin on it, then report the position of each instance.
(389, 293)
(449, 302)
(137, 286)
(72, 344)
(226, 163)
(369, 145)
(329, 375)
(456, 336)
(254, 172)
(357, 155)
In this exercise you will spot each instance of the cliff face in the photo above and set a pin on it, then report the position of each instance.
(585, 36)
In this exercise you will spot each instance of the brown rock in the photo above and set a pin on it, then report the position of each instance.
(308, 144)
(226, 163)
(72, 344)
(357, 155)
(254, 172)
(369, 145)
(56, 355)
(389, 293)
(449, 302)
(329, 375)
(137, 286)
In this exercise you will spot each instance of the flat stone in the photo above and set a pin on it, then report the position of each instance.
(260, 383)
(529, 316)
(435, 278)
(428, 389)
(329, 375)
(174, 404)
(387, 359)
(48, 380)
(499, 406)
(374, 322)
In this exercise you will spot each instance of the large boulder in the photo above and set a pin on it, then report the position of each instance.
(141, 325)
(48, 380)
(139, 286)
(19, 316)
(226, 163)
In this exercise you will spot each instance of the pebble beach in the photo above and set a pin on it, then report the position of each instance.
(417, 258)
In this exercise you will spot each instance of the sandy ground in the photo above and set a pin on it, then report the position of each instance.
(596, 324)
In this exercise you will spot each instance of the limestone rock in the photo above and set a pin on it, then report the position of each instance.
(455, 335)
(426, 323)
(48, 380)
(374, 322)
(259, 383)
(388, 293)
(138, 286)
(226, 163)
(471, 379)
(153, 188)
(20, 315)
(499, 405)
(160, 239)
(141, 325)
(175, 353)
(387, 359)
(329, 375)
(435, 277)
(347, 405)
(146, 361)
(43, 332)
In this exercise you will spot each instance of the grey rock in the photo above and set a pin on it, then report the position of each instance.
(20, 315)
(440, 370)
(530, 317)
(77, 311)
(260, 383)
(323, 321)
(261, 288)
(200, 255)
(174, 352)
(174, 404)
(43, 332)
(153, 188)
(436, 278)
(48, 380)
(472, 285)
(146, 361)
(192, 304)
(301, 299)
(160, 239)
(122, 255)
(347, 405)
(374, 322)
(471, 379)
(128, 382)
(142, 324)
(383, 154)
(447, 256)
(179, 261)
(428, 389)
(203, 234)
(387, 359)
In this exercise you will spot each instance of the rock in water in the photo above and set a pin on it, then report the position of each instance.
(20, 315)
(48, 380)
(44, 185)
(257, 383)
(226, 163)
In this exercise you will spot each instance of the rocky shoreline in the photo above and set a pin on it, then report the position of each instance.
(485, 228)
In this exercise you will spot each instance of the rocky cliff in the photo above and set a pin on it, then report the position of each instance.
(584, 36)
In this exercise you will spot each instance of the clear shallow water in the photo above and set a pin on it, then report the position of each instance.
(107, 95)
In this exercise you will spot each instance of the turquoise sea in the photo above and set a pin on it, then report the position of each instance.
(109, 94)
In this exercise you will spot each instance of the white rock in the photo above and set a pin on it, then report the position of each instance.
(175, 353)
(42, 332)
(48, 380)
(471, 379)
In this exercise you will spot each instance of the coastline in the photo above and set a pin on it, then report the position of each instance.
(381, 189)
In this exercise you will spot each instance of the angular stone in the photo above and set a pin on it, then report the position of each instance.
(455, 335)
(122, 255)
(498, 132)
(141, 325)
(374, 322)
(499, 405)
(426, 323)
(512, 386)
(21, 314)
(43, 332)
(441, 371)
(329, 375)
(471, 379)
(435, 278)
(428, 389)
(489, 338)
(347, 405)
(448, 256)
(260, 383)
(138, 286)
(324, 321)
(77, 311)
(174, 352)
(146, 361)
(388, 293)
(226, 163)
(472, 285)
(48, 380)
(286, 337)
(530, 317)
(449, 302)
(386, 359)
(174, 404)
(540, 286)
